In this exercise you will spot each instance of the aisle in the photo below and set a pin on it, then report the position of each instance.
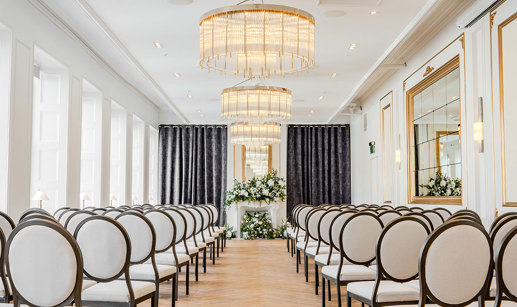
(250, 273)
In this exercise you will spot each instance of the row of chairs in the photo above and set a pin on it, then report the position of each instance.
(406, 259)
(123, 253)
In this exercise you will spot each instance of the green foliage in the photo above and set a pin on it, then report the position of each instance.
(230, 232)
(267, 189)
(442, 185)
(257, 225)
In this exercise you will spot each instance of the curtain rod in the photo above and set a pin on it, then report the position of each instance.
(190, 126)
(319, 125)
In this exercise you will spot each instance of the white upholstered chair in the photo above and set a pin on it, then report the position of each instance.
(388, 216)
(397, 252)
(106, 251)
(44, 265)
(444, 213)
(165, 230)
(357, 240)
(454, 265)
(506, 258)
(75, 218)
(143, 241)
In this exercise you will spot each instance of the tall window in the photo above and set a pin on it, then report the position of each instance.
(434, 136)
(91, 137)
(49, 130)
(138, 160)
(118, 156)
(153, 165)
(5, 82)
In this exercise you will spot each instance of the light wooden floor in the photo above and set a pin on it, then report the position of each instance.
(250, 273)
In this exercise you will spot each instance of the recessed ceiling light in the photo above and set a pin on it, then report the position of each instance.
(373, 12)
(352, 46)
(333, 75)
(321, 97)
(177, 75)
(189, 94)
(312, 111)
(158, 45)
(199, 111)
(309, 115)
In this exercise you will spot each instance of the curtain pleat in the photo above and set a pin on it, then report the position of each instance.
(193, 165)
(318, 165)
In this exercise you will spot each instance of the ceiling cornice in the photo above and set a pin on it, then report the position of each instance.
(422, 29)
(61, 23)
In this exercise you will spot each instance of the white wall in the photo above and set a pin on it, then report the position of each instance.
(479, 184)
(56, 40)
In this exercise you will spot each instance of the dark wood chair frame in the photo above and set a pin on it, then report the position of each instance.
(123, 272)
(381, 271)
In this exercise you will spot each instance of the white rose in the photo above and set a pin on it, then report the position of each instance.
(270, 182)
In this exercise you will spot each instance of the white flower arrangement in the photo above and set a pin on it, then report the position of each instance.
(269, 188)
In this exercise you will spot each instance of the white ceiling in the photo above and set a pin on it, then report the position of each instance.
(122, 32)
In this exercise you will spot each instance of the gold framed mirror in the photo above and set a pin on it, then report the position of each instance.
(434, 142)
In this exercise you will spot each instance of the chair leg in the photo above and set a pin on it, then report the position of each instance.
(156, 294)
(197, 267)
(174, 287)
(212, 249)
(176, 281)
(204, 261)
(316, 278)
(297, 263)
(348, 300)
(187, 274)
(287, 242)
(328, 287)
(218, 240)
(338, 294)
(306, 267)
(153, 301)
(292, 248)
(322, 291)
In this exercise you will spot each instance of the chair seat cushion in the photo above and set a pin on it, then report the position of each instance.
(301, 245)
(389, 291)
(88, 283)
(321, 259)
(168, 259)
(116, 291)
(192, 250)
(145, 271)
(349, 272)
(200, 244)
(311, 251)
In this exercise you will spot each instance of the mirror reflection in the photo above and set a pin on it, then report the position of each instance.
(437, 143)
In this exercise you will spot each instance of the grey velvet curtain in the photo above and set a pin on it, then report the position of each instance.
(193, 164)
(318, 165)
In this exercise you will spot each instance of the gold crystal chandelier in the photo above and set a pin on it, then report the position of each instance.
(257, 40)
(255, 134)
(257, 153)
(256, 103)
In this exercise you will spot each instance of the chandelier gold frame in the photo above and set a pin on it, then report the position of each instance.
(257, 40)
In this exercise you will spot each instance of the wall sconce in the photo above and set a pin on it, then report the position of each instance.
(134, 198)
(478, 126)
(113, 197)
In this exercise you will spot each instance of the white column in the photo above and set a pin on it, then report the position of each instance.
(145, 181)
(105, 153)
(20, 128)
(129, 159)
(73, 178)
